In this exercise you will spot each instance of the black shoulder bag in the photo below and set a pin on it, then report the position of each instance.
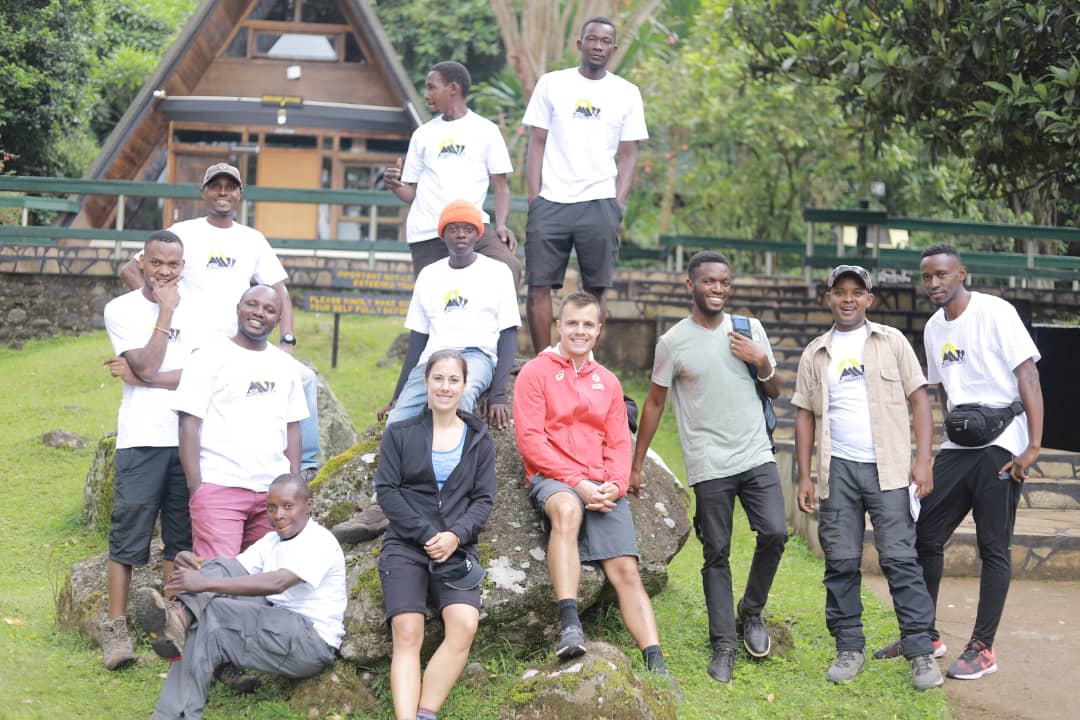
(741, 325)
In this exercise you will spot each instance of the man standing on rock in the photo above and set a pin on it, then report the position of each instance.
(716, 374)
(222, 259)
(277, 607)
(983, 360)
(854, 386)
(571, 427)
(152, 333)
(240, 403)
(585, 127)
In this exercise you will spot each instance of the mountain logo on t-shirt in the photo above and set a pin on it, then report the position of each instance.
(174, 334)
(218, 259)
(450, 148)
(585, 109)
(260, 387)
(454, 301)
(851, 370)
(950, 355)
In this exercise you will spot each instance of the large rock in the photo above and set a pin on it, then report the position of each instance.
(517, 592)
(63, 440)
(83, 601)
(333, 694)
(98, 491)
(599, 685)
(336, 433)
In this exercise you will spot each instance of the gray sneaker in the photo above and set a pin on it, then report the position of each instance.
(571, 642)
(847, 665)
(368, 524)
(925, 673)
(116, 644)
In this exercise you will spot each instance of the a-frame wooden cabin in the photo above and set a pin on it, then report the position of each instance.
(296, 93)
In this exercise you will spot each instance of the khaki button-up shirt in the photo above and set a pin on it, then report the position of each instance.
(892, 373)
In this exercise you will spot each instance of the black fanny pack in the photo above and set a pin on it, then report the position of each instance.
(973, 425)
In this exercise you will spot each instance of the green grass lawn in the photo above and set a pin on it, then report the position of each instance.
(59, 383)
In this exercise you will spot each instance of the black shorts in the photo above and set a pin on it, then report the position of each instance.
(148, 480)
(590, 228)
(406, 583)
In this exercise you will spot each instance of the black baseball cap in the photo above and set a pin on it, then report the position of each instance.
(459, 572)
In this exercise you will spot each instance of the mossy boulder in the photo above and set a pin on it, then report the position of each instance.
(600, 685)
(98, 492)
(83, 602)
(516, 592)
(336, 433)
(336, 692)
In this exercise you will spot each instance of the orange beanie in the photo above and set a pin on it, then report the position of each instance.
(461, 211)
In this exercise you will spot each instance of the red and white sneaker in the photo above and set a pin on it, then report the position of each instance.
(976, 660)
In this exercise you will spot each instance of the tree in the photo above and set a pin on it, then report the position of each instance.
(463, 30)
(995, 81)
(46, 55)
(537, 33)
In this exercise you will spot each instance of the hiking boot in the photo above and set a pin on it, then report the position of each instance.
(896, 649)
(234, 678)
(571, 642)
(116, 644)
(925, 673)
(368, 524)
(755, 637)
(976, 660)
(165, 622)
(847, 665)
(309, 473)
(722, 664)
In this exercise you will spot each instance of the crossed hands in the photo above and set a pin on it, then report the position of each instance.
(600, 497)
(442, 546)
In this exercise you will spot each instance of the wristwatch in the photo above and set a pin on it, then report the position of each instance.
(288, 338)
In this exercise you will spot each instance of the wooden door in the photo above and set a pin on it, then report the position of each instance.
(288, 168)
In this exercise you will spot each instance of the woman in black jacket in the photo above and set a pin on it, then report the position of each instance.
(436, 483)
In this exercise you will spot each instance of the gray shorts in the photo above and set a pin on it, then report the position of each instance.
(590, 228)
(406, 583)
(148, 480)
(603, 535)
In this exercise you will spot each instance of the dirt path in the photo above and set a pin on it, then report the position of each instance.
(1037, 646)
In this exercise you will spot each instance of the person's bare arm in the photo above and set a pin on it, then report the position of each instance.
(751, 352)
(922, 476)
(502, 211)
(285, 319)
(534, 160)
(626, 163)
(293, 446)
(1027, 377)
(119, 368)
(651, 411)
(269, 583)
(131, 273)
(190, 449)
(405, 192)
(804, 446)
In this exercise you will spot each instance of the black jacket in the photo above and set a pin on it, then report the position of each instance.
(409, 495)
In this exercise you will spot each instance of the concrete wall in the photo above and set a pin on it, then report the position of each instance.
(33, 306)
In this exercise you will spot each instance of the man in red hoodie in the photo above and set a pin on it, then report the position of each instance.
(572, 431)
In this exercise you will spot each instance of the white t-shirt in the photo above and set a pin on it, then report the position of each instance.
(246, 399)
(314, 556)
(146, 418)
(451, 160)
(220, 265)
(974, 357)
(586, 120)
(849, 407)
(463, 307)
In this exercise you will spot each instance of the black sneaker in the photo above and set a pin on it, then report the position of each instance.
(722, 664)
(571, 642)
(755, 636)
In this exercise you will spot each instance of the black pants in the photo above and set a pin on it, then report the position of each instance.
(758, 489)
(968, 480)
(854, 491)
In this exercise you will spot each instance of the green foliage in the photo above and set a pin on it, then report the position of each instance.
(424, 34)
(46, 55)
(993, 81)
